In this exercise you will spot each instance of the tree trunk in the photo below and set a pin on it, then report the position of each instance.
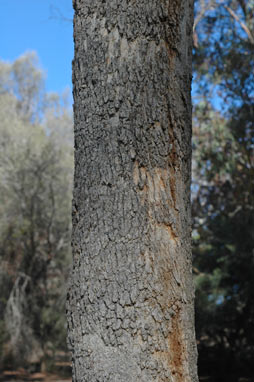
(130, 300)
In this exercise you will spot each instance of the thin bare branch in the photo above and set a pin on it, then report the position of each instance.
(56, 14)
(244, 26)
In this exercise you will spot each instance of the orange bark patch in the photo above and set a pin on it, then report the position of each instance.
(171, 232)
(172, 181)
(153, 187)
(174, 358)
(177, 348)
(152, 183)
(136, 173)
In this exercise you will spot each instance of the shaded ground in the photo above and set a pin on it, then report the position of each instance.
(62, 373)
(22, 376)
(223, 379)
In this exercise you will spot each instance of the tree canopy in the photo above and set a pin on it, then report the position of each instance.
(223, 186)
(36, 161)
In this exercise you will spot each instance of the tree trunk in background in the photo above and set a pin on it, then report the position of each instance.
(130, 300)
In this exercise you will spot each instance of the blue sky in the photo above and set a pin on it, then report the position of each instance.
(39, 25)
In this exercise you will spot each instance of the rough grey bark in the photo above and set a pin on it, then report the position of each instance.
(130, 300)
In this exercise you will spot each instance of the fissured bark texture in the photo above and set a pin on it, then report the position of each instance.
(130, 299)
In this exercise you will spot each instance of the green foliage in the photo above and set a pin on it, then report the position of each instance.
(36, 166)
(223, 195)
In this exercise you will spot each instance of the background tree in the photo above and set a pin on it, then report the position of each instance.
(224, 188)
(36, 179)
(130, 303)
